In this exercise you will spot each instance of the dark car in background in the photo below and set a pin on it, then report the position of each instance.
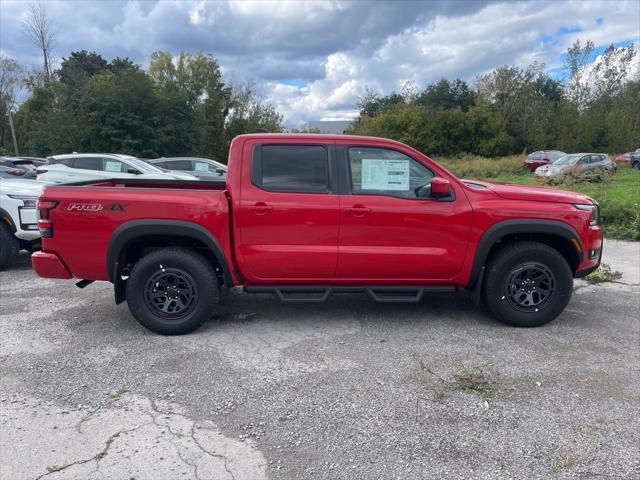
(25, 167)
(203, 168)
(542, 157)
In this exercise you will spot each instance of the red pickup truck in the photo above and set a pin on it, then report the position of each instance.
(306, 216)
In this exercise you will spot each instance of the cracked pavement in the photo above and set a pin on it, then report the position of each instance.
(346, 389)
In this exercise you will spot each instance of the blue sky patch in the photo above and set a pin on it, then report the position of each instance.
(568, 30)
(294, 83)
(599, 21)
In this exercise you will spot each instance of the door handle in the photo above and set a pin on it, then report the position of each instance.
(260, 208)
(358, 210)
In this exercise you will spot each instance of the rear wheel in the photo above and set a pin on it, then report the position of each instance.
(172, 291)
(636, 165)
(527, 284)
(9, 246)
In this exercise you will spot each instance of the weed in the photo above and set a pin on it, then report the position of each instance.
(475, 382)
(564, 461)
(603, 274)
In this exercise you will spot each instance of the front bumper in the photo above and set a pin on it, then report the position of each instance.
(592, 253)
(49, 265)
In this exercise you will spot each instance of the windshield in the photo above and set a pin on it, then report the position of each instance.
(568, 160)
(143, 166)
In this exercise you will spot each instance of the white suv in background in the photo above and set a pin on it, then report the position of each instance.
(18, 225)
(78, 167)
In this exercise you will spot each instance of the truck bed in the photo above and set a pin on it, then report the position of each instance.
(88, 213)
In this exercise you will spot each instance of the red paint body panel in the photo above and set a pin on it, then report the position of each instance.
(287, 238)
(48, 265)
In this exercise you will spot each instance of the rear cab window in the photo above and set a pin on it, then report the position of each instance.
(291, 168)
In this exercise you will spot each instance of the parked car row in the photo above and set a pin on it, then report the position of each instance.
(76, 167)
(550, 163)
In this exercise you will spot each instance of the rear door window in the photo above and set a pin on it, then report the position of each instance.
(200, 166)
(88, 163)
(291, 168)
(177, 165)
(115, 166)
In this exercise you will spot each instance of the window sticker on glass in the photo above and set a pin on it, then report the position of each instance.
(202, 167)
(385, 174)
(112, 166)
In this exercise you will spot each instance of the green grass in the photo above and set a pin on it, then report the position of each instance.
(618, 194)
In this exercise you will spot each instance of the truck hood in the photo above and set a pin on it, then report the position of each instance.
(512, 191)
(28, 188)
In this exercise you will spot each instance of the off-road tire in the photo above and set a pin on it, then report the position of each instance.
(501, 297)
(9, 246)
(191, 272)
(636, 165)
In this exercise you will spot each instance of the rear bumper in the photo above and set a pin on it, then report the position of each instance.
(49, 265)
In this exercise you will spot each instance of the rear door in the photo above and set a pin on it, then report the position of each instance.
(288, 215)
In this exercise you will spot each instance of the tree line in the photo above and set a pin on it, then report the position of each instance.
(180, 105)
(512, 110)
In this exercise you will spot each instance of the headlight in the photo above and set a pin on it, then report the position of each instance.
(29, 202)
(593, 209)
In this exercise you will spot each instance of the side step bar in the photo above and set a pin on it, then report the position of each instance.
(378, 293)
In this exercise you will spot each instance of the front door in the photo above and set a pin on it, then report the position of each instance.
(390, 229)
(289, 212)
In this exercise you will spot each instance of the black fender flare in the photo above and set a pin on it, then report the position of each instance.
(133, 229)
(501, 229)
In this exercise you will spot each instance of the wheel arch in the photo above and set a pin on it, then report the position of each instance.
(554, 233)
(145, 233)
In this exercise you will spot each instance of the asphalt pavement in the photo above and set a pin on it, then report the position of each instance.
(348, 389)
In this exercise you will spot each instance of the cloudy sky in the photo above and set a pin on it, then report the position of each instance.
(313, 59)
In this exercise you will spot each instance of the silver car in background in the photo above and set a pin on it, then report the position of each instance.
(577, 163)
(78, 167)
(203, 168)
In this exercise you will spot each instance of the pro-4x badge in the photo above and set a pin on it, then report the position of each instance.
(96, 207)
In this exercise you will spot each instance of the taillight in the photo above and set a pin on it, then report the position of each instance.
(44, 221)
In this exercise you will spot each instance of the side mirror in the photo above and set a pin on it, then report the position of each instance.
(133, 170)
(440, 187)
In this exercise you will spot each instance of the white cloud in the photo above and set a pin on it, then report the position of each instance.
(450, 47)
(313, 59)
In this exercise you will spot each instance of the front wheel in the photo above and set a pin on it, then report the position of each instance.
(527, 284)
(172, 291)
